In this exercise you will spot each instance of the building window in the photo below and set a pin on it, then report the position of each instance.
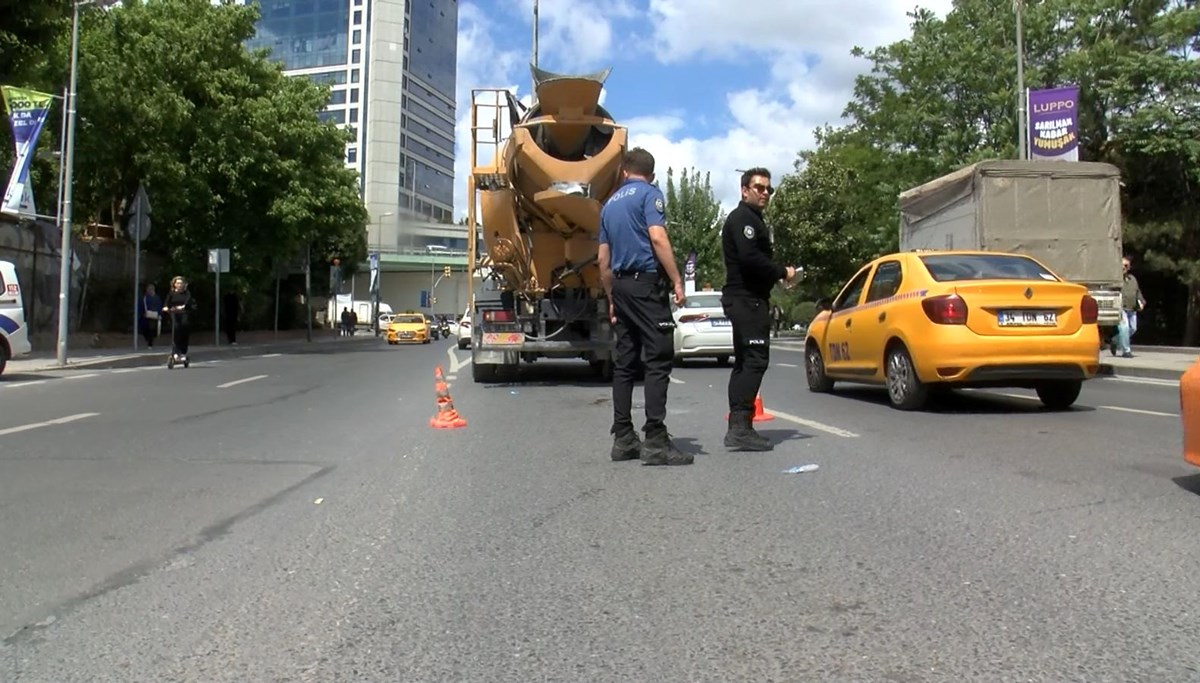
(352, 155)
(353, 95)
(353, 116)
(357, 17)
(354, 75)
(357, 37)
(332, 116)
(337, 97)
(356, 56)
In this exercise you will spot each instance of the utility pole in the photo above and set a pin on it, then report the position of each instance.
(64, 271)
(1022, 100)
(535, 33)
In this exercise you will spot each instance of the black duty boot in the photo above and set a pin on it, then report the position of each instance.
(626, 446)
(659, 450)
(742, 437)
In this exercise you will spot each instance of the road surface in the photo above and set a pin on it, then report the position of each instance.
(292, 517)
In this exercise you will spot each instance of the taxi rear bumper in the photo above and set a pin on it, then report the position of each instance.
(960, 356)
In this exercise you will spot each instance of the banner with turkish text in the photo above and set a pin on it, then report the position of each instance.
(27, 112)
(1054, 124)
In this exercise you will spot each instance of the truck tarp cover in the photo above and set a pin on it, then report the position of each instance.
(1065, 214)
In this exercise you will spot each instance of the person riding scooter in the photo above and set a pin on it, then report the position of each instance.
(179, 304)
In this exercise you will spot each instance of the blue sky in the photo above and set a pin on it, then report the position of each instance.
(709, 84)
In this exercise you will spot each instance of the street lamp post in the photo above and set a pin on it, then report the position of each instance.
(378, 269)
(64, 271)
(1022, 136)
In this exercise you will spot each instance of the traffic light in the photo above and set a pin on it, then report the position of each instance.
(446, 271)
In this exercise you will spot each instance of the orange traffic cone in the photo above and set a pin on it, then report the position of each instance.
(447, 417)
(760, 415)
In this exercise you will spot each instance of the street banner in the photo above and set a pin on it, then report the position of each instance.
(27, 112)
(373, 258)
(1054, 124)
(689, 274)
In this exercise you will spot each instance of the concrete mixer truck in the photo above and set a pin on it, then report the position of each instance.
(539, 176)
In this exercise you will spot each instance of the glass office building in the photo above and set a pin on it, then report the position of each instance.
(391, 65)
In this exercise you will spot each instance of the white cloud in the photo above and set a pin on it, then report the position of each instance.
(763, 126)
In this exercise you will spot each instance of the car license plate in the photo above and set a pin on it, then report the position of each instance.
(720, 322)
(504, 338)
(1027, 318)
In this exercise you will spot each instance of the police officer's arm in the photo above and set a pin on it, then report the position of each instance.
(656, 224)
(604, 258)
(749, 256)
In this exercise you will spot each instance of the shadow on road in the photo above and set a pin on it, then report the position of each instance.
(1190, 483)
(15, 377)
(956, 402)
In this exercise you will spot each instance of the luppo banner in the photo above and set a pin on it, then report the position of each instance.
(27, 111)
(1054, 124)
(689, 274)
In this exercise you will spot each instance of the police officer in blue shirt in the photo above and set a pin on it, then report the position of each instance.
(637, 267)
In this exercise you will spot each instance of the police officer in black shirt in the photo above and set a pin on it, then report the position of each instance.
(750, 274)
(638, 270)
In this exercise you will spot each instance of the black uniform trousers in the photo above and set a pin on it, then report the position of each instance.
(645, 330)
(751, 320)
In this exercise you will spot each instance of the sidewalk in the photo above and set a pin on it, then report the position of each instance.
(1156, 362)
(249, 343)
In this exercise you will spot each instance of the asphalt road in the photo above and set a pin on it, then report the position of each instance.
(294, 518)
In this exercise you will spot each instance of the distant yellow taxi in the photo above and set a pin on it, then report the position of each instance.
(915, 321)
(408, 328)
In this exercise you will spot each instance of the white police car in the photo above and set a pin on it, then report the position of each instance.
(14, 334)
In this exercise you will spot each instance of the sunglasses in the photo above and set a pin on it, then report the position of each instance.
(760, 188)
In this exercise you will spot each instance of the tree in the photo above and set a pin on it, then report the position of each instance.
(946, 97)
(231, 151)
(694, 219)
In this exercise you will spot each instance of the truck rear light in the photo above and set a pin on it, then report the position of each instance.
(695, 318)
(1089, 310)
(499, 316)
(948, 309)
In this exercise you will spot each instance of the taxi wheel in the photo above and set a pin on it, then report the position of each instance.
(905, 390)
(3, 358)
(814, 368)
(1059, 395)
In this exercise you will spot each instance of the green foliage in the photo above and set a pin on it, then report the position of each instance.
(694, 219)
(946, 97)
(230, 150)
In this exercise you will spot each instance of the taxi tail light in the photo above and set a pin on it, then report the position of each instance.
(948, 309)
(499, 316)
(1089, 310)
(694, 318)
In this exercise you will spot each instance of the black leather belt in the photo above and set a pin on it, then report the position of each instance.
(636, 274)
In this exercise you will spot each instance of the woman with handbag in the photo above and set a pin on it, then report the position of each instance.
(149, 316)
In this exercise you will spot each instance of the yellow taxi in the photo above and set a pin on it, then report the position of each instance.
(408, 328)
(915, 321)
(1189, 403)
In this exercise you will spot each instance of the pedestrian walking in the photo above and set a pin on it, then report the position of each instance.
(149, 320)
(179, 304)
(750, 274)
(1132, 302)
(637, 267)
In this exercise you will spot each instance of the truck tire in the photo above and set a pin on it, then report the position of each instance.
(483, 373)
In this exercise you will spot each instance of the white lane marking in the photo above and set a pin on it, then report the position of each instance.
(268, 355)
(451, 378)
(793, 349)
(676, 380)
(26, 384)
(787, 365)
(47, 423)
(1153, 381)
(90, 374)
(829, 429)
(236, 382)
(1021, 396)
(455, 363)
(125, 371)
(1139, 411)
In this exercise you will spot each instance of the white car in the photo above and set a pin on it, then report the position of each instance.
(701, 328)
(464, 330)
(14, 333)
